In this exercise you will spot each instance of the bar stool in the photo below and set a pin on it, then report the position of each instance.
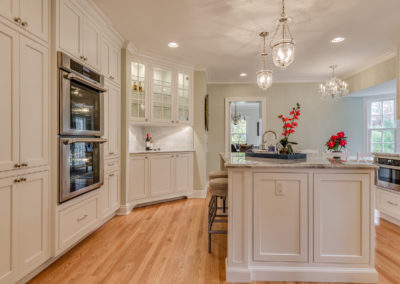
(219, 174)
(218, 188)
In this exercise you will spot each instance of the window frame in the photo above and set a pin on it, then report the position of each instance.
(368, 102)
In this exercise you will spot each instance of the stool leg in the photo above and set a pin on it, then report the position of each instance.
(223, 205)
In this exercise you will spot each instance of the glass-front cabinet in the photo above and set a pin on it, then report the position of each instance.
(162, 90)
(138, 94)
(183, 98)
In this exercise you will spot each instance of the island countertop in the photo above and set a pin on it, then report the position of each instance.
(239, 160)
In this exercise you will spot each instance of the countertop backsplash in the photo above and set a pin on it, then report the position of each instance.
(164, 137)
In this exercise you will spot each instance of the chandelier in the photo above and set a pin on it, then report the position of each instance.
(237, 117)
(264, 76)
(334, 89)
(282, 42)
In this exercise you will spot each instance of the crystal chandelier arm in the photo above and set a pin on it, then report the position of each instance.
(283, 9)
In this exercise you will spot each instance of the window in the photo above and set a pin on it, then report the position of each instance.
(239, 132)
(381, 125)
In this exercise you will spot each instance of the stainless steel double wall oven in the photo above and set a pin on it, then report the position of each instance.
(81, 125)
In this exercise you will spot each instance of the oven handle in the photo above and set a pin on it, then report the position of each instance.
(71, 76)
(68, 141)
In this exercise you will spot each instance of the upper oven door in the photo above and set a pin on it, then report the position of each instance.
(389, 177)
(81, 106)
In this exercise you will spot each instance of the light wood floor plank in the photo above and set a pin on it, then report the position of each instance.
(167, 243)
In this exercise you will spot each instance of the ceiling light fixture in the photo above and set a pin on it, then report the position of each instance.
(334, 89)
(243, 75)
(173, 44)
(264, 76)
(282, 42)
(338, 39)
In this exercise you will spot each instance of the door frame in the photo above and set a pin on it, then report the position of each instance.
(228, 101)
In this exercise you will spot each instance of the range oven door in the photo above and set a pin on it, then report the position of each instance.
(388, 177)
(81, 106)
(81, 166)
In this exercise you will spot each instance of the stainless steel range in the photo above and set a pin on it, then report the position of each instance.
(81, 115)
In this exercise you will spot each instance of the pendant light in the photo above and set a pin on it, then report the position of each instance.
(333, 89)
(237, 117)
(282, 43)
(264, 76)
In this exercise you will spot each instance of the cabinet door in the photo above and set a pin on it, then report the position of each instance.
(114, 99)
(138, 177)
(7, 243)
(162, 100)
(138, 97)
(114, 190)
(9, 9)
(341, 222)
(114, 59)
(105, 197)
(9, 112)
(32, 223)
(183, 98)
(183, 172)
(70, 27)
(33, 101)
(91, 44)
(161, 174)
(280, 217)
(34, 15)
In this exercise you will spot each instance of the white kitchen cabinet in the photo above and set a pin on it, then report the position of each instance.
(161, 174)
(138, 177)
(341, 222)
(280, 217)
(162, 98)
(79, 36)
(30, 15)
(139, 97)
(24, 221)
(183, 172)
(183, 98)
(110, 194)
(112, 123)
(110, 64)
(24, 103)
(156, 176)
(388, 202)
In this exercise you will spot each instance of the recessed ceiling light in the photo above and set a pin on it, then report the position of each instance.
(337, 39)
(173, 44)
(243, 74)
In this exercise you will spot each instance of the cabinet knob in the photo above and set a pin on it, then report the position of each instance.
(23, 179)
(172, 121)
(17, 180)
(24, 24)
(24, 165)
(177, 156)
(17, 20)
(146, 119)
(17, 166)
(82, 57)
(177, 121)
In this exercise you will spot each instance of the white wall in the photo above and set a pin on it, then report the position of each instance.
(318, 121)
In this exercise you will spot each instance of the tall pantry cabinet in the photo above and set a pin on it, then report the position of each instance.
(24, 124)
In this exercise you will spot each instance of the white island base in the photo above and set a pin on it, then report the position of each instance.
(300, 221)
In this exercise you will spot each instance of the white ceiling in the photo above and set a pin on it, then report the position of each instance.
(222, 35)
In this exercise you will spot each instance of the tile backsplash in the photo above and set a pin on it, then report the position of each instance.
(164, 137)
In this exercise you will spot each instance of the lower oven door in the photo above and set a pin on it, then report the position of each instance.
(81, 166)
(388, 177)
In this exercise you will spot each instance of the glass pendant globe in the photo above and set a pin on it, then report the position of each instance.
(283, 54)
(264, 79)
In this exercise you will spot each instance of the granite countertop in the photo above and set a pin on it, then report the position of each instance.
(239, 160)
(161, 151)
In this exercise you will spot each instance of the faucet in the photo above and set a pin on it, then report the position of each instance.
(264, 140)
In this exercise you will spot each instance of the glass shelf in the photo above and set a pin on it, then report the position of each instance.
(137, 99)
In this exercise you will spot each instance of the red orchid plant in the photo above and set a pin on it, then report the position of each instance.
(337, 142)
(289, 125)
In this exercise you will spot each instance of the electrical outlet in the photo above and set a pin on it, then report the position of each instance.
(279, 189)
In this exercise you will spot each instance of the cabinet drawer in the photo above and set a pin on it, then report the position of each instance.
(111, 165)
(77, 221)
(389, 202)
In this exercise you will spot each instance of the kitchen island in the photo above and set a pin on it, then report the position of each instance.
(302, 220)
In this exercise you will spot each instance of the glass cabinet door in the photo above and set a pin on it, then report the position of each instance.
(162, 94)
(138, 93)
(183, 100)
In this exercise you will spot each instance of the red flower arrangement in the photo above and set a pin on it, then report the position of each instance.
(289, 125)
(337, 142)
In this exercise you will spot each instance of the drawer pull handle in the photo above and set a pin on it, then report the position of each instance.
(24, 165)
(111, 175)
(24, 24)
(17, 166)
(17, 180)
(392, 203)
(82, 218)
(112, 164)
(23, 179)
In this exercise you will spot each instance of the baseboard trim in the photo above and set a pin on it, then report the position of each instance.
(302, 274)
(199, 194)
(125, 209)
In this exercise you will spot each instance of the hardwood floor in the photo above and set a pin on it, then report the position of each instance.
(167, 243)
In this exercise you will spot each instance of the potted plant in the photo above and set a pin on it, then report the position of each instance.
(336, 144)
(289, 124)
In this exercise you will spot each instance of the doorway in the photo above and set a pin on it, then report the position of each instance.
(244, 123)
